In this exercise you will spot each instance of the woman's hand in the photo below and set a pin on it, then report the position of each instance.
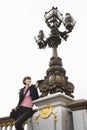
(36, 85)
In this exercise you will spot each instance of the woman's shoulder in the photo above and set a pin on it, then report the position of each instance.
(21, 89)
(32, 86)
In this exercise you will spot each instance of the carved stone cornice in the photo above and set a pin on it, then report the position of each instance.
(78, 104)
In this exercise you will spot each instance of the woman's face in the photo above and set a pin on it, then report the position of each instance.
(28, 82)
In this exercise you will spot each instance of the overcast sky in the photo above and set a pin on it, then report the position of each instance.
(20, 21)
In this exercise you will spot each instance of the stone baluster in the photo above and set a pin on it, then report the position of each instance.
(6, 123)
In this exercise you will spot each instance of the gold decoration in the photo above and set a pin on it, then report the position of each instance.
(55, 117)
(4, 124)
(8, 124)
(13, 122)
(36, 119)
(46, 111)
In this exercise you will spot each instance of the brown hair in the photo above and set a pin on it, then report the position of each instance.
(27, 77)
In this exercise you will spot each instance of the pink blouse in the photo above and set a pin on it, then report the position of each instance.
(27, 102)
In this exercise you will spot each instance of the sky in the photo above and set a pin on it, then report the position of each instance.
(20, 22)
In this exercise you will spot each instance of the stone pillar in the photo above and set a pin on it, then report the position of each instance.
(29, 124)
(53, 113)
(79, 110)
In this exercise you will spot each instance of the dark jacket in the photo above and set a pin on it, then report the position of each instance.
(33, 93)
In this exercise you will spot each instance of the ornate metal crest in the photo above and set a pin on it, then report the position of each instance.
(46, 111)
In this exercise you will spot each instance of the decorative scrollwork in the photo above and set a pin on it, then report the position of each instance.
(46, 111)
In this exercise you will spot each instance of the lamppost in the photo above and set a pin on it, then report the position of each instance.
(55, 79)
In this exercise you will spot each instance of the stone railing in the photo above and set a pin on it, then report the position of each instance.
(55, 112)
(7, 123)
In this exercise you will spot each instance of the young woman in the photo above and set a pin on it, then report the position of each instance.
(25, 104)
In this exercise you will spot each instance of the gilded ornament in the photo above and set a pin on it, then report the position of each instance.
(55, 117)
(36, 119)
(46, 111)
(9, 123)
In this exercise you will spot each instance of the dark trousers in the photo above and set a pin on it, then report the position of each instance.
(23, 114)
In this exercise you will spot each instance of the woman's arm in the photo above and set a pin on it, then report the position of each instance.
(38, 83)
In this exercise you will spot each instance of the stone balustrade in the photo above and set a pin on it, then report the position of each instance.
(57, 112)
(7, 123)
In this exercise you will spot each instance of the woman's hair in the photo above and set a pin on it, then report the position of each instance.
(27, 77)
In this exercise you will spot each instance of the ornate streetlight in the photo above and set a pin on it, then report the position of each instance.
(55, 79)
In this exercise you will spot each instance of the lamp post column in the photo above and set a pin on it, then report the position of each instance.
(54, 52)
(55, 79)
